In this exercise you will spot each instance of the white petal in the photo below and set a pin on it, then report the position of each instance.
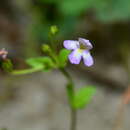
(75, 56)
(87, 58)
(71, 44)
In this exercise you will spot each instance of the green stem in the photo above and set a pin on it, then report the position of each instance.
(71, 93)
(26, 71)
(69, 88)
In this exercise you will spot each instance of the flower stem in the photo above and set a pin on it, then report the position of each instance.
(71, 94)
(69, 87)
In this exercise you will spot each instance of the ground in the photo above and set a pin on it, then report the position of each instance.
(40, 103)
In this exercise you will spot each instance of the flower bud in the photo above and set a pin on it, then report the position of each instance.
(54, 30)
(46, 48)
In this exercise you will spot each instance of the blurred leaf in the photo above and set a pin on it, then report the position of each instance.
(67, 14)
(70, 7)
(37, 64)
(45, 62)
(83, 97)
(112, 10)
(7, 65)
(63, 57)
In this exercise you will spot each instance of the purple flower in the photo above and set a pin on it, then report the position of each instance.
(81, 50)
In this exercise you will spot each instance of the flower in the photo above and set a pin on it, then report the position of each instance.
(80, 50)
(3, 53)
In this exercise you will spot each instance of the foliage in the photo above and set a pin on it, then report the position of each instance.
(59, 61)
(44, 62)
(66, 13)
(112, 10)
(83, 97)
(7, 65)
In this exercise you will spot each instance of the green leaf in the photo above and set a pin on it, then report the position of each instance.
(7, 65)
(34, 62)
(45, 62)
(63, 57)
(37, 64)
(83, 97)
(70, 7)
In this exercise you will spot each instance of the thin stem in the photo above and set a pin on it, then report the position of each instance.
(69, 87)
(71, 93)
(73, 119)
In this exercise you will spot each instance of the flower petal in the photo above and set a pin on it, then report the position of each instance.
(75, 56)
(86, 43)
(71, 44)
(87, 58)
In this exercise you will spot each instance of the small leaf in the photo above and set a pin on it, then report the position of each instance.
(46, 62)
(37, 64)
(83, 97)
(63, 57)
(34, 62)
(7, 65)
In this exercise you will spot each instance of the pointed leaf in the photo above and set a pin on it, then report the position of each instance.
(83, 97)
(46, 62)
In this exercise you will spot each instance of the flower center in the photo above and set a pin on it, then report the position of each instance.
(82, 46)
(80, 50)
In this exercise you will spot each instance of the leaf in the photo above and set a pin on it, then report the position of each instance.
(45, 62)
(70, 7)
(37, 64)
(7, 65)
(63, 57)
(83, 97)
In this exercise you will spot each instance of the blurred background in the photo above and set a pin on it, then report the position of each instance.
(38, 101)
